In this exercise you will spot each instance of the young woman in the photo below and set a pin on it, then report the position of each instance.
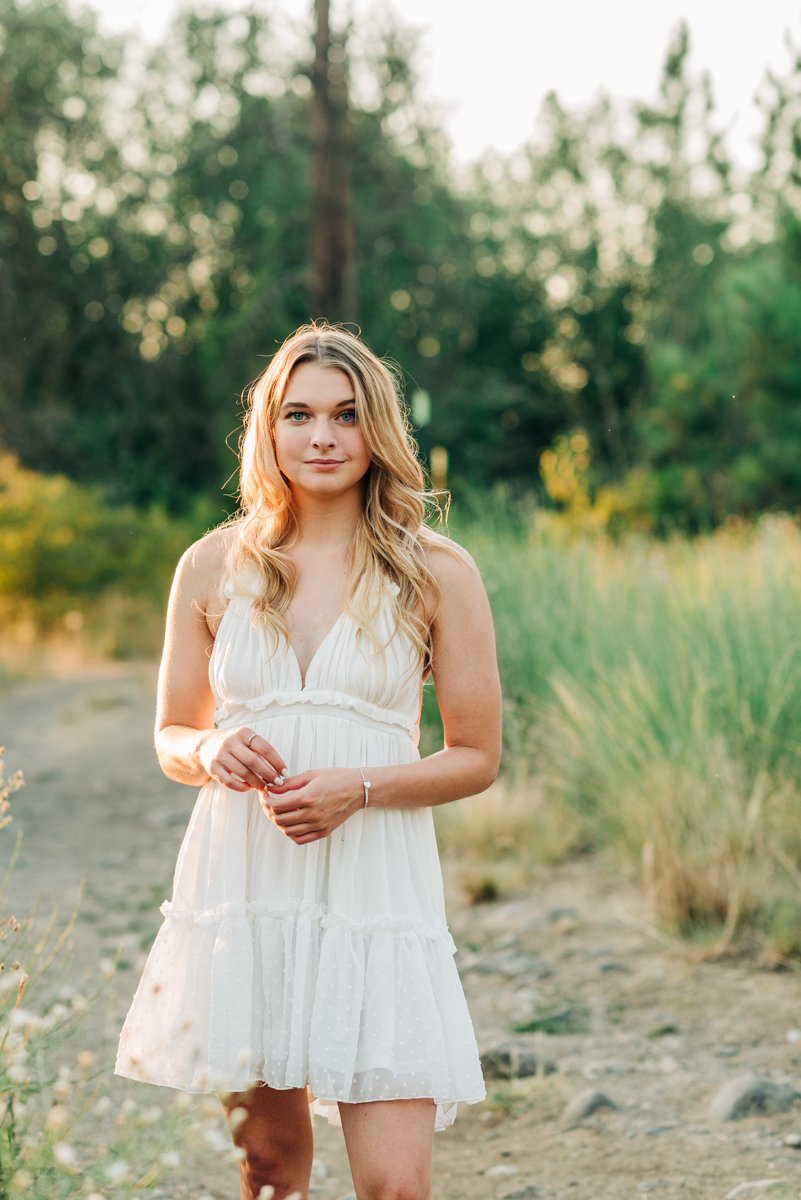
(305, 953)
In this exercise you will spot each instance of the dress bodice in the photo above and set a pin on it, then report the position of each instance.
(253, 671)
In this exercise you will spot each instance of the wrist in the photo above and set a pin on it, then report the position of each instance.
(198, 753)
(366, 784)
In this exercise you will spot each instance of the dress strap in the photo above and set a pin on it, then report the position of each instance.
(247, 582)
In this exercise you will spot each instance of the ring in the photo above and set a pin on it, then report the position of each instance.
(250, 739)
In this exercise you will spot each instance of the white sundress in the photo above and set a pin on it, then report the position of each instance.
(329, 964)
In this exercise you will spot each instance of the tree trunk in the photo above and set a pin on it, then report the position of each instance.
(332, 239)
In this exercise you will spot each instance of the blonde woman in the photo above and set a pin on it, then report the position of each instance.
(305, 955)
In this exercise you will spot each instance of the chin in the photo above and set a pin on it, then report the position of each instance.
(328, 485)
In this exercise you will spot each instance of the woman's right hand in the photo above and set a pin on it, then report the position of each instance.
(240, 759)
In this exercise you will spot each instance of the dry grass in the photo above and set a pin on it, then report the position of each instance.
(501, 837)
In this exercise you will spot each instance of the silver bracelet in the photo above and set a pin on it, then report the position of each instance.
(366, 784)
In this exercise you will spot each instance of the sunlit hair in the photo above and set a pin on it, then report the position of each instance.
(389, 537)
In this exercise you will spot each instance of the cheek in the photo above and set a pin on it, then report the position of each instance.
(285, 440)
(358, 444)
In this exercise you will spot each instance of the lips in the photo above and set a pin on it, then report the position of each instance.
(324, 462)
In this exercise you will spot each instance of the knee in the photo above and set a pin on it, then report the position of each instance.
(260, 1170)
(397, 1188)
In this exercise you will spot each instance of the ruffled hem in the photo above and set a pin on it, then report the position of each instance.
(308, 911)
(445, 1111)
(336, 704)
(294, 995)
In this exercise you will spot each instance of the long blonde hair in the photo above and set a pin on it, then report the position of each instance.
(389, 539)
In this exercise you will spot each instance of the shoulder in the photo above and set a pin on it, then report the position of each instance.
(461, 613)
(202, 566)
(459, 589)
(449, 563)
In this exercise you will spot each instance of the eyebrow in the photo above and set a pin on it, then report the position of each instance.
(303, 404)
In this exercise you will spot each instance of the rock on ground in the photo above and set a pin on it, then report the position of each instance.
(584, 1105)
(749, 1094)
(513, 1061)
(756, 1188)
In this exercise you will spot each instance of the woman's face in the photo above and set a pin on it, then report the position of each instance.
(318, 443)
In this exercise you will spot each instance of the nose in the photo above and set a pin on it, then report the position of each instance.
(323, 433)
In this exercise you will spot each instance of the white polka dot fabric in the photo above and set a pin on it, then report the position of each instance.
(329, 964)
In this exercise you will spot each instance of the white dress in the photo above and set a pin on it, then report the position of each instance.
(328, 964)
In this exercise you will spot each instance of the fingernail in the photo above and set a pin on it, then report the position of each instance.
(279, 779)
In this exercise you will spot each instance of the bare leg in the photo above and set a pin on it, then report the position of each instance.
(390, 1144)
(274, 1129)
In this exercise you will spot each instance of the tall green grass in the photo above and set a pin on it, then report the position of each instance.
(654, 690)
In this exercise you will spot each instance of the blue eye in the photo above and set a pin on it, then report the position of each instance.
(348, 416)
(290, 416)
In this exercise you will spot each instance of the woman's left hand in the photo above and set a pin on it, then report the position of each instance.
(312, 805)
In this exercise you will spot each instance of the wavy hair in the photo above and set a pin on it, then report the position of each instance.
(390, 535)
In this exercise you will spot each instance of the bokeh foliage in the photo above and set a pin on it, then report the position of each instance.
(619, 278)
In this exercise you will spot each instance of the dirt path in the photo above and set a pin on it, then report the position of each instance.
(626, 1013)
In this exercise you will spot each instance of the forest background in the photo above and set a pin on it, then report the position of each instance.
(619, 277)
(601, 331)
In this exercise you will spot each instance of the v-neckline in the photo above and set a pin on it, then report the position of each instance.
(304, 678)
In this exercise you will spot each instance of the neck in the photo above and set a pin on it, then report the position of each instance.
(328, 520)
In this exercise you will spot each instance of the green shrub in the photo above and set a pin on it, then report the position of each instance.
(71, 562)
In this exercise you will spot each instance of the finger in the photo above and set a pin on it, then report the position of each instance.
(264, 751)
(291, 783)
(253, 768)
(277, 789)
(257, 766)
(221, 774)
(238, 763)
(268, 771)
(285, 803)
(241, 771)
(291, 820)
(303, 839)
(308, 833)
(294, 829)
(267, 805)
(285, 811)
(228, 761)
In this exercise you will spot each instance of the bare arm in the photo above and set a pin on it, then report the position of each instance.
(468, 690)
(189, 749)
(465, 674)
